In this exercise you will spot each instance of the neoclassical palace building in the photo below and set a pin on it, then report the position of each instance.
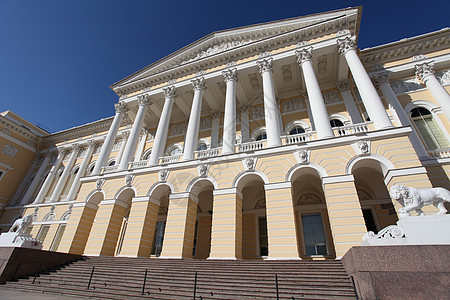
(278, 140)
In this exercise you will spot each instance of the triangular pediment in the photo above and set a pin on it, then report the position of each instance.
(220, 42)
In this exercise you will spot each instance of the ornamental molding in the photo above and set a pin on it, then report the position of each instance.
(162, 175)
(207, 52)
(362, 147)
(303, 156)
(12, 127)
(203, 170)
(9, 150)
(249, 163)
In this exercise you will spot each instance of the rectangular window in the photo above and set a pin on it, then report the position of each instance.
(314, 235)
(159, 238)
(263, 240)
(43, 232)
(369, 220)
(57, 239)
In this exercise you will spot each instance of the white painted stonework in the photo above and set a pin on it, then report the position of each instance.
(16, 237)
(413, 230)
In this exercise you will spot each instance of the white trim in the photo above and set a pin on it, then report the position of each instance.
(146, 199)
(341, 117)
(17, 142)
(305, 125)
(385, 164)
(198, 179)
(228, 191)
(278, 185)
(49, 222)
(339, 178)
(403, 172)
(260, 174)
(85, 204)
(257, 132)
(114, 201)
(320, 170)
(158, 184)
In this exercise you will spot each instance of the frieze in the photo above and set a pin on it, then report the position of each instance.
(331, 97)
(177, 129)
(205, 123)
(257, 112)
(443, 77)
(217, 49)
(406, 85)
(292, 105)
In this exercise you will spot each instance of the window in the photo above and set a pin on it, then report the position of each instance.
(428, 128)
(202, 146)
(263, 239)
(147, 154)
(57, 239)
(369, 220)
(43, 232)
(159, 238)
(313, 233)
(296, 130)
(336, 123)
(261, 136)
(122, 233)
(91, 169)
(112, 163)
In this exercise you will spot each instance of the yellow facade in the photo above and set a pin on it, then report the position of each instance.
(130, 185)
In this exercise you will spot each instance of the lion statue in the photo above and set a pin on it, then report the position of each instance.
(21, 225)
(414, 199)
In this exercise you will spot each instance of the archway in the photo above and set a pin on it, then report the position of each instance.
(313, 227)
(254, 220)
(376, 204)
(160, 193)
(121, 213)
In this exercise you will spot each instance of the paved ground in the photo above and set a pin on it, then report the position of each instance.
(6, 294)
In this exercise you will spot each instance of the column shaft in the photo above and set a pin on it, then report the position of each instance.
(125, 136)
(315, 98)
(33, 185)
(163, 126)
(65, 175)
(103, 157)
(76, 182)
(130, 148)
(190, 144)
(215, 127)
(229, 123)
(350, 103)
(49, 180)
(142, 141)
(270, 104)
(372, 102)
(245, 126)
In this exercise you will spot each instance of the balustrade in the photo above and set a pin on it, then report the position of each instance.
(251, 146)
(164, 160)
(109, 169)
(352, 129)
(207, 153)
(440, 153)
(298, 138)
(138, 164)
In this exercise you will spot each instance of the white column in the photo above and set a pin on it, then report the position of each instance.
(270, 103)
(280, 118)
(215, 128)
(162, 131)
(81, 171)
(130, 148)
(372, 102)
(245, 126)
(310, 115)
(349, 101)
(65, 175)
(33, 185)
(425, 72)
(383, 83)
(229, 122)
(142, 141)
(23, 184)
(121, 109)
(125, 134)
(315, 98)
(190, 143)
(50, 176)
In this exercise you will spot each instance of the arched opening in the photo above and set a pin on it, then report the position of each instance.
(203, 189)
(69, 183)
(376, 204)
(120, 215)
(429, 130)
(297, 130)
(313, 227)
(161, 193)
(254, 219)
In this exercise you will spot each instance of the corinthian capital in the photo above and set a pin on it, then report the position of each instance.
(198, 83)
(230, 75)
(346, 44)
(424, 70)
(381, 78)
(144, 100)
(121, 107)
(303, 55)
(169, 92)
(343, 86)
(265, 65)
(91, 143)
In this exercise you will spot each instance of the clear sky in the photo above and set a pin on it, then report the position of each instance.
(58, 58)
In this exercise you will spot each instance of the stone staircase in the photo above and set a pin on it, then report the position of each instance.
(123, 278)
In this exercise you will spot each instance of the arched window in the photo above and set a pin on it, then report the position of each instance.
(336, 123)
(202, 146)
(71, 180)
(430, 131)
(112, 163)
(261, 136)
(147, 154)
(174, 149)
(296, 130)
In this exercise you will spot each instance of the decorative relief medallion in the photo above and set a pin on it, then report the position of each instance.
(249, 163)
(322, 64)
(302, 156)
(287, 73)
(362, 147)
(254, 82)
(342, 32)
(443, 77)
(163, 174)
(99, 184)
(406, 85)
(129, 180)
(203, 170)
(302, 44)
(10, 151)
(418, 57)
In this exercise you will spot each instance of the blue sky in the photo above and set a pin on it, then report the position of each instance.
(58, 58)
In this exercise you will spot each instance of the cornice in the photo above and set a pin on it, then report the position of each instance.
(10, 125)
(407, 48)
(86, 130)
(182, 64)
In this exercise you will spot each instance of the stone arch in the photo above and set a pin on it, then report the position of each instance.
(95, 197)
(384, 163)
(291, 125)
(123, 189)
(157, 185)
(196, 180)
(257, 131)
(341, 117)
(238, 179)
(320, 170)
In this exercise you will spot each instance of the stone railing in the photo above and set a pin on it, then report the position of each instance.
(297, 138)
(352, 129)
(207, 153)
(440, 153)
(110, 169)
(164, 160)
(138, 164)
(251, 146)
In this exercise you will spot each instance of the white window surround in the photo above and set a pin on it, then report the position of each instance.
(257, 132)
(111, 160)
(146, 154)
(172, 147)
(341, 117)
(205, 141)
(88, 169)
(291, 125)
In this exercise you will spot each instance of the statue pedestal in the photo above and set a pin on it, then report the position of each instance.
(413, 230)
(20, 240)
